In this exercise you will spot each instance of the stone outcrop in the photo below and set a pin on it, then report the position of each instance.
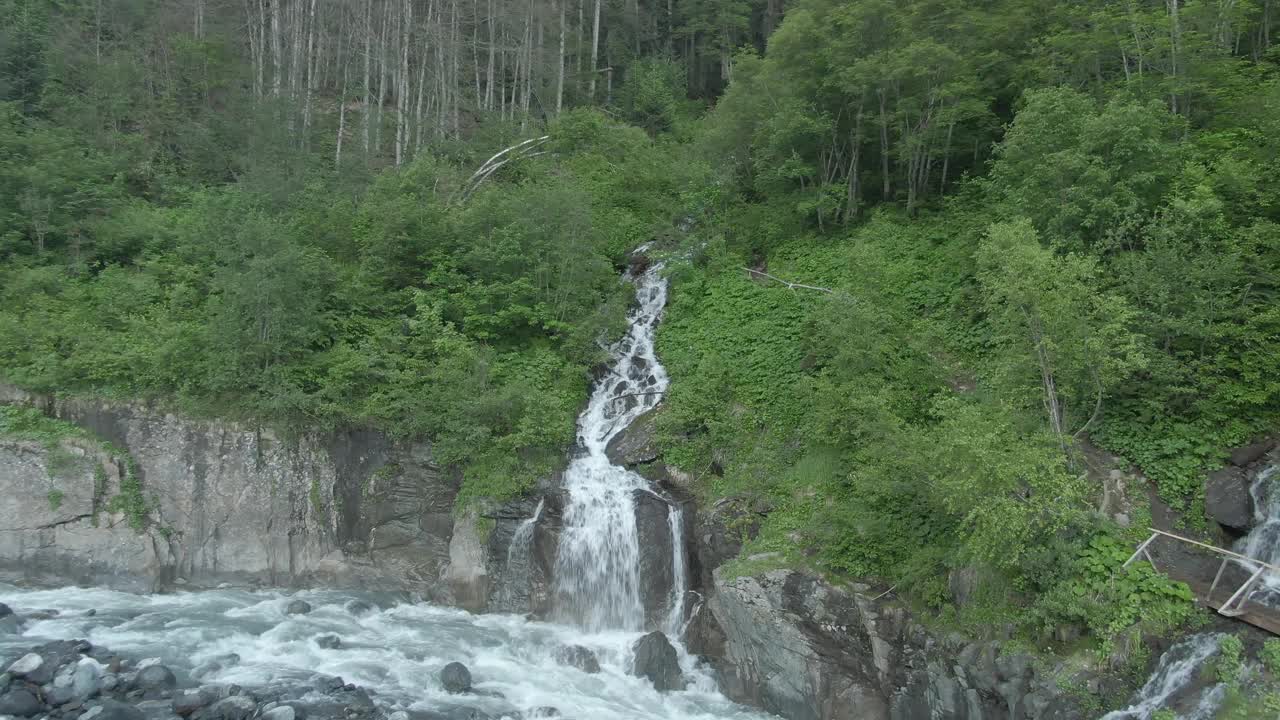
(799, 647)
(1227, 499)
(223, 502)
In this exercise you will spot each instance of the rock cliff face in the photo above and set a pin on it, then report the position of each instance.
(799, 647)
(223, 503)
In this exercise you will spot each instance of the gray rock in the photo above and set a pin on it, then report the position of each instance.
(218, 484)
(26, 665)
(154, 679)
(545, 711)
(11, 625)
(86, 680)
(189, 702)
(456, 678)
(1227, 499)
(1251, 453)
(110, 682)
(282, 712)
(236, 707)
(656, 659)
(113, 710)
(329, 642)
(20, 703)
(636, 444)
(298, 607)
(5, 610)
(358, 607)
(578, 656)
(5, 679)
(653, 528)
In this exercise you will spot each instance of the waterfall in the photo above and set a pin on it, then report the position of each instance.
(1177, 670)
(598, 582)
(1263, 542)
(679, 582)
(516, 585)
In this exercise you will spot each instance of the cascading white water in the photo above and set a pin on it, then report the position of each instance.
(679, 581)
(1263, 542)
(1179, 667)
(515, 585)
(597, 567)
(395, 650)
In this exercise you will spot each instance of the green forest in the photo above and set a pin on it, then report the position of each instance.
(1026, 230)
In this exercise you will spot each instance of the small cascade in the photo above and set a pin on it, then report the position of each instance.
(513, 593)
(679, 585)
(598, 583)
(1179, 668)
(1263, 542)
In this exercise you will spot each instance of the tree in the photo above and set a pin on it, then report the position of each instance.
(1058, 337)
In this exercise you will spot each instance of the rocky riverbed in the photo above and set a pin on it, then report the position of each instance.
(91, 654)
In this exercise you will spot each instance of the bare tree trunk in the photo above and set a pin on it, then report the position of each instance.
(197, 30)
(402, 90)
(493, 46)
(595, 53)
(368, 54)
(311, 75)
(276, 60)
(382, 78)
(455, 91)
(560, 65)
(342, 115)
(1175, 38)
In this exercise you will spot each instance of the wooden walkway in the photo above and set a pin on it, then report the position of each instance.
(1230, 600)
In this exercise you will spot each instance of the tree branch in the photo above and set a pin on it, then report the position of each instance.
(790, 285)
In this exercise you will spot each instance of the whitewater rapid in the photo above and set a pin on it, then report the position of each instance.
(598, 583)
(395, 650)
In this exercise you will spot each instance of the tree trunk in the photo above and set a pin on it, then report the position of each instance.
(595, 53)
(493, 44)
(276, 60)
(311, 75)
(342, 116)
(1175, 38)
(368, 54)
(402, 90)
(560, 64)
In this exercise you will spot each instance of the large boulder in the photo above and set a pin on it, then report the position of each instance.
(113, 710)
(657, 570)
(297, 607)
(19, 702)
(26, 665)
(1252, 452)
(637, 444)
(236, 707)
(456, 678)
(654, 658)
(154, 679)
(1227, 499)
(578, 656)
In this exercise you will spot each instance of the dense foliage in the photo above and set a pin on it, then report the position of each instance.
(1032, 228)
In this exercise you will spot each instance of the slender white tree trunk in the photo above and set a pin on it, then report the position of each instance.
(595, 52)
(560, 64)
(276, 59)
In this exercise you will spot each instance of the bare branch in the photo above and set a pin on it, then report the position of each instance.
(790, 285)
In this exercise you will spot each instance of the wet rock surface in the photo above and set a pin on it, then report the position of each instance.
(803, 649)
(657, 661)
